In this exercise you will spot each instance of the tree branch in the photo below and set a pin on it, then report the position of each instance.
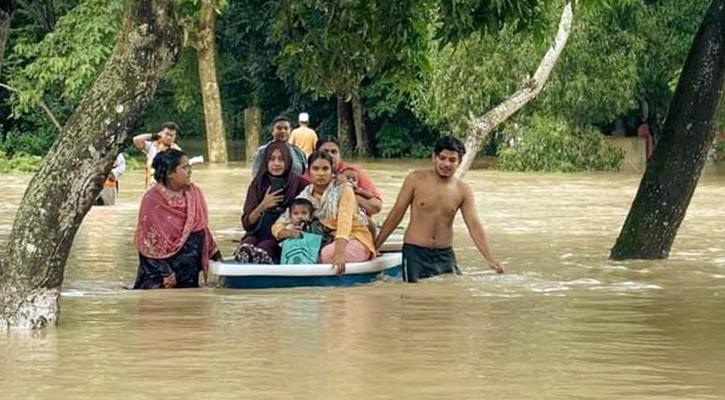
(480, 127)
(41, 104)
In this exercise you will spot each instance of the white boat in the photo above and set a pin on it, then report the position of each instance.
(264, 276)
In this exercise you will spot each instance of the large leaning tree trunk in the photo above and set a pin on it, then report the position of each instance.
(361, 147)
(216, 140)
(675, 166)
(61, 193)
(480, 127)
(6, 16)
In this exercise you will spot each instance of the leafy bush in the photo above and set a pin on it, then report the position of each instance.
(396, 141)
(20, 162)
(36, 142)
(134, 162)
(551, 145)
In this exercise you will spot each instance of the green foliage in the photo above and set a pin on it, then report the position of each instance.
(551, 145)
(668, 28)
(248, 76)
(32, 134)
(717, 151)
(69, 57)
(329, 47)
(619, 53)
(458, 19)
(183, 82)
(618, 57)
(595, 80)
(168, 104)
(472, 77)
(19, 162)
(443, 60)
(17, 142)
(394, 141)
(135, 162)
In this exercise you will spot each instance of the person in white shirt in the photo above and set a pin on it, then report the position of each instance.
(108, 194)
(153, 143)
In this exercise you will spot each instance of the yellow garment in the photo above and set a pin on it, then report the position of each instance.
(347, 226)
(110, 183)
(304, 138)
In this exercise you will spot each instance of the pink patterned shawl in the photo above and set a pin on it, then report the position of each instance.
(166, 219)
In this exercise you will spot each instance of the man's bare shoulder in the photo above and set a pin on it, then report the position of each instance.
(462, 184)
(463, 188)
(418, 175)
(416, 178)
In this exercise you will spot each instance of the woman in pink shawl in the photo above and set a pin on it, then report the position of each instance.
(173, 236)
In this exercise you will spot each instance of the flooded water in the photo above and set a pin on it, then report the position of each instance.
(563, 322)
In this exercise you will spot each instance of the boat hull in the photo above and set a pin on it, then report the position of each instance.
(250, 276)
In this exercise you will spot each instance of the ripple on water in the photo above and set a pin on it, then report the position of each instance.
(563, 322)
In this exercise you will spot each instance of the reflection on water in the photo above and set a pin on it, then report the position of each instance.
(564, 322)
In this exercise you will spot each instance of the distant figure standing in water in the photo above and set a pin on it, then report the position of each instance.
(107, 197)
(280, 133)
(435, 196)
(304, 137)
(154, 143)
(173, 237)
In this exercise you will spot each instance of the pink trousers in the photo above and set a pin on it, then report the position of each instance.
(355, 252)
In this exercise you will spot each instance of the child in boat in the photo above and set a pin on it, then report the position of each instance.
(351, 175)
(306, 248)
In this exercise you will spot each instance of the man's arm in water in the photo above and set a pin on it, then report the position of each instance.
(475, 229)
(396, 214)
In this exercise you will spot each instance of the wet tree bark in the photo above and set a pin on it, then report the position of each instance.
(213, 117)
(6, 16)
(480, 127)
(252, 131)
(61, 193)
(675, 166)
(344, 125)
(361, 147)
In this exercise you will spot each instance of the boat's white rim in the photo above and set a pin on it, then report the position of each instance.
(385, 261)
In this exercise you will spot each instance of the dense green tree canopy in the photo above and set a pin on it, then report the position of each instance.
(420, 67)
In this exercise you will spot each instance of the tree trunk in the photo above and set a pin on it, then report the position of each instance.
(71, 175)
(357, 115)
(216, 139)
(344, 125)
(675, 166)
(480, 127)
(6, 16)
(252, 131)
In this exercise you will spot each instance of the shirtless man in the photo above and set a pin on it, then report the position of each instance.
(435, 196)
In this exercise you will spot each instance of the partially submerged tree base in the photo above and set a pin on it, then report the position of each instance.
(61, 193)
(34, 309)
(674, 169)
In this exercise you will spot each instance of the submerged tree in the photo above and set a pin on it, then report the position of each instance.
(674, 169)
(61, 193)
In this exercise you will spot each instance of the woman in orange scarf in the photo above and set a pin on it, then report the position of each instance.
(173, 236)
